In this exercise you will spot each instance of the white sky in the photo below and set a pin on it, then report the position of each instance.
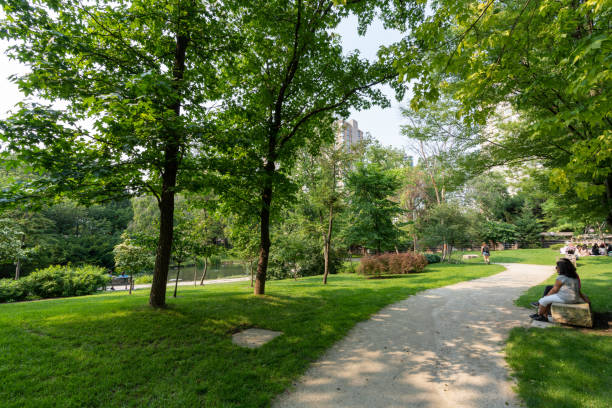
(383, 124)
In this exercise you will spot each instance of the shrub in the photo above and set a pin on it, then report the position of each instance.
(12, 290)
(143, 279)
(62, 281)
(392, 264)
(556, 247)
(432, 258)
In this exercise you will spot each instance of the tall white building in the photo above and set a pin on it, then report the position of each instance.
(348, 134)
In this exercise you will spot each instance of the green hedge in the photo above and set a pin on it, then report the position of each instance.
(12, 290)
(556, 247)
(143, 279)
(55, 281)
(432, 258)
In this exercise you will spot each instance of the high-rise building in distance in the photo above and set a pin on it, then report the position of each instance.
(348, 134)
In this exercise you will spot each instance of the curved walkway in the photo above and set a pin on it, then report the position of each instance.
(439, 348)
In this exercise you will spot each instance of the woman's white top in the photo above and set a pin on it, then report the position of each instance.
(570, 290)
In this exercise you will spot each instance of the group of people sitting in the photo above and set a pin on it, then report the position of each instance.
(567, 289)
(586, 249)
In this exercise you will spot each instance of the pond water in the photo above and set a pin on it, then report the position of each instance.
(214, 272)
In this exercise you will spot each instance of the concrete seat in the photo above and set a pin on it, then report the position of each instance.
(469, 256)
(575, 314)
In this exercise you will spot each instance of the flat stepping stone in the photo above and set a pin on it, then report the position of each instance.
(254, 338)
(542, 325)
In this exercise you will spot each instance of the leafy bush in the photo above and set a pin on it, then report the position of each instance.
(12, 290)
(305, 261)
(62, 281)
(556, 247)
(432, 258)
(143, 279)
(392, 264)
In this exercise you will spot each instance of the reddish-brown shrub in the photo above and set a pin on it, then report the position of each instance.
(392, 264)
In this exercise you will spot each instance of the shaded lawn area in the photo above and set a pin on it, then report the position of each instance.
(112, 350)
(541, 256)
(567, 367)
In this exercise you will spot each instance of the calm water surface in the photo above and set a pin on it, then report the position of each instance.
(221, 271)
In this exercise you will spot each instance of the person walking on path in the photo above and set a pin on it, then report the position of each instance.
(437, 348)
(484, 250)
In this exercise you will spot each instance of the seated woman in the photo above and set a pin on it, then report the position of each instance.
(565, 290)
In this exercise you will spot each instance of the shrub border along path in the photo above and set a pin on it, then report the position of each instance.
(440, 348)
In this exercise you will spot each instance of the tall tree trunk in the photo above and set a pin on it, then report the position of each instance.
(264, 245)
(205, 271)
(157, 297)
(608, 184)
(18, 269)
(178, 271)
(328, 236)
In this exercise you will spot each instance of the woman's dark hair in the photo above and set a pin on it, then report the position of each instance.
(566, 268)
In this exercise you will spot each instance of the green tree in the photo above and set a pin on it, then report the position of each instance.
(371, 212)
(141, 74)
(543, 67)
(528, 229)
(446, 225)
(497, 231)
(11, 244)
(292, 79)
(244, 236)
(130, 258)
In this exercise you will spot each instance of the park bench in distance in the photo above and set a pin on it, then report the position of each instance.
(117, 281)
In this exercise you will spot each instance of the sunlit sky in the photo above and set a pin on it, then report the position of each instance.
(383, 124)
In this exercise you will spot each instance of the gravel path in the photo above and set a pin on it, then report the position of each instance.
(440, 348)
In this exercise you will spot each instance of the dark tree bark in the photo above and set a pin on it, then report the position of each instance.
(327, 246)
(17, 269)
(608, 184)
(205, 271)
(166, 198)
(178, 271)
(264, 246)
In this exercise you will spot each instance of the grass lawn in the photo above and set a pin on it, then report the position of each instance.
(566, 367)
(542, 256)
(112, 350)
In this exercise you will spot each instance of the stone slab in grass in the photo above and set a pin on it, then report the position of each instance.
(576, 314)
(470, 256)
(253, 338)
(542, 325)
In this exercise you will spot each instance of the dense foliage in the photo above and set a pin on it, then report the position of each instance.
(432, 258)
(538, 74)
(392, 264)
(55, 281)
(67, 233)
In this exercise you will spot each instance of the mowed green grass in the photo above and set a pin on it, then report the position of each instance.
(542, 256)
(566, 367)
(112, 350)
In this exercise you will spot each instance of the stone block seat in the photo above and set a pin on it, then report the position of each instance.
(575, 314)
(470, 256)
